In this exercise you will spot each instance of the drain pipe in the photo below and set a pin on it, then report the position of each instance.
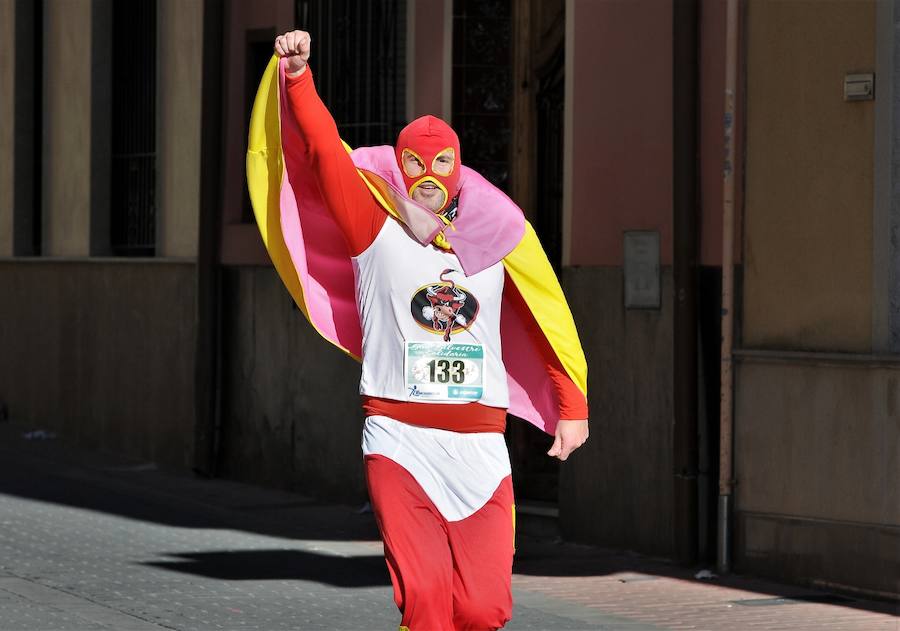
(726, 419)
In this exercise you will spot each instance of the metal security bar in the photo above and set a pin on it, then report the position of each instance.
(550, 110)
(482, 85)
(27, 125)
(133, 195)
(359, 61)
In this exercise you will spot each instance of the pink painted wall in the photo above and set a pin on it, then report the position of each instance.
(427, 82)
(622, 117)
(622, 122)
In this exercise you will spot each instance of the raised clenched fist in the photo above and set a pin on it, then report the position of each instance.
(294, 47)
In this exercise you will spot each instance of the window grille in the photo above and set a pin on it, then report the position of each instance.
(550, 115)
(359, 61)
(133, 195)
(27, 125)
(482, 85)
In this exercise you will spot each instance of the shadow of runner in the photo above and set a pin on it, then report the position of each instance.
(260, 565)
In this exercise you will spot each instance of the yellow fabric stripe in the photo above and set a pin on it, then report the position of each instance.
(264, 170)
(514, 527)
(533, 276)
(265, 165)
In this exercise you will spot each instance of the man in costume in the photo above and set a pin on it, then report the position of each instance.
(416, 265)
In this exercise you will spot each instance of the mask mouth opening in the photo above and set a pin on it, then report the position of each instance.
(437, 185)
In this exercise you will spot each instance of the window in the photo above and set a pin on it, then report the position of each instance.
(482, 85)
(133, 194)
(27, 125)
(550, 116)
(359, 62)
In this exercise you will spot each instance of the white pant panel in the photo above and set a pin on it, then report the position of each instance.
(458, 471)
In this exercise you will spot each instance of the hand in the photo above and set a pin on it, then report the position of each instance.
(570, 435)
(294, 47)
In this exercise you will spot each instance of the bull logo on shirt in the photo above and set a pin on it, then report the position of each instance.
(444, 308)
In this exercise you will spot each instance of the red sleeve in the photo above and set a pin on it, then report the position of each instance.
(572, 402)
(351, 204)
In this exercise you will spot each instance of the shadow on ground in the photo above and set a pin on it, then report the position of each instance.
(255, 565)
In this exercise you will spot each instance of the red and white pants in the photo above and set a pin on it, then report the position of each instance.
(448, 539)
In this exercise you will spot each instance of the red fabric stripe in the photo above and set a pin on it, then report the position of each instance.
(462, 417)
(353, 207)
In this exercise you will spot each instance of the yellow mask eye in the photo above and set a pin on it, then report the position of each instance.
(412, 164)
(444, 162)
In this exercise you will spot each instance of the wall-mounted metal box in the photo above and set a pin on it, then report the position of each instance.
(859, 87)
(642, 284)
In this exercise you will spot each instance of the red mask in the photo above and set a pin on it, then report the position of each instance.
(428, 151)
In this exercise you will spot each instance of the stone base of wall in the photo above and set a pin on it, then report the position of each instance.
(102, 352)
(291, 415)
(839, 555)
(816, 460)
(617, 490)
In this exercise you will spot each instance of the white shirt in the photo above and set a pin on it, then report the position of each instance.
(407, 292)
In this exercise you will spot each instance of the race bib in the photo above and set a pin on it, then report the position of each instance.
(444, 371)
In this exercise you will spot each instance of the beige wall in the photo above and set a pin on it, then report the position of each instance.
(808, 224)
(7, 137)
(179, 63)
(886, 215)
(67, 128)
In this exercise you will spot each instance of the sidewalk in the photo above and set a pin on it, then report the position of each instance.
(90, 542)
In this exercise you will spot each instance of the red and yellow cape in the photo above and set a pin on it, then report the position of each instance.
(311, 257)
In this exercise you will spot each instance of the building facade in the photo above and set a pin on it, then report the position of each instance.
(139, 312)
